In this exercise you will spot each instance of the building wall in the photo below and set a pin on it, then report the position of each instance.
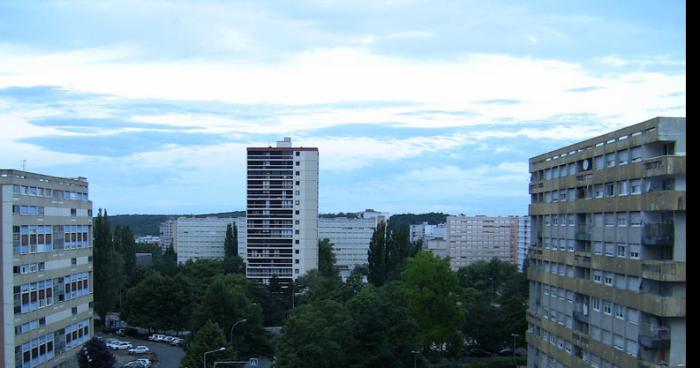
(39, 267)
(201, 238)
(523, 240)
(481, 238)
(607, 261)
(350, 238)
(282, 211)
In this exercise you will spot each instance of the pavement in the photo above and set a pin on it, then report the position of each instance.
(168, 356)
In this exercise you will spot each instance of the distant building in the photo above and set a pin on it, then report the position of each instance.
(376, 215)
(481, 238)
(438, 246)
(523, 240)
(607, 265)
(148, 239)
(282, 211)
(350, 238)
(46, 237)
(202, 237)
(426, 232)
(166, 234)
(144, 259)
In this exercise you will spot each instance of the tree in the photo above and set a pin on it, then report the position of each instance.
(383, 329)
(326, 259)
(145, 301)
(95, 354)
(376, 256)
(231, 241)
(316, 335)
(107, 265)
(209, 337)
(433, 293)
(167, 264)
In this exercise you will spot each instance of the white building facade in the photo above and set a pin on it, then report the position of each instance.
(166, 234)
(47, 270)
(203, 238)
(350, 238)
(282, 211)
(523, 240)
(426, 232)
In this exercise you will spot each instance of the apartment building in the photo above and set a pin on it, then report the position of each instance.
(282, 211)
(607, 263)
(481, 238)
(350, 238)
(203, 237)
(427, 232)
(46, 232)
(166, 234)
(523, 240)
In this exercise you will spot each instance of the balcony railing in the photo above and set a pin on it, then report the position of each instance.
(655, 337)
(657, 234)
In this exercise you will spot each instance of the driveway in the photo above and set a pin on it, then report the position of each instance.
(168, 356)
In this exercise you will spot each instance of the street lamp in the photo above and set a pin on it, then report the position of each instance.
(234, 326)
(213, 351)
(415, 356)
(514, 336)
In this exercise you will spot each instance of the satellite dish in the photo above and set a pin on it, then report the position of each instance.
(586, 164)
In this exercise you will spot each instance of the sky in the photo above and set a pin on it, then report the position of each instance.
(415, 106)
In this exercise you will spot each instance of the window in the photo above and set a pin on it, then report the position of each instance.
(296, 182)
(636, 186)
(622, 157)
(610, 219)
(622, 219)
(633, 283)
(607, 308)
(632, 348)
(597, 277)
(599, 162)
(598, 189)
(619, 311)
(596, 304)
(296, 153)
(73, 212)
(610, 159)
(610, 249)
(598, 248)
(621, 250)
(622, 188)
(608, 278)
(634, 250)
(610, 189)
(296, 163)
(633, 316)
(618, 342)
(296, 173)
(636, 154)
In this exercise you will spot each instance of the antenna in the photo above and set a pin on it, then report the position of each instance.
(24, 164)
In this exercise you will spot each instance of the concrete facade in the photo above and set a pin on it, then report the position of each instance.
(47, 280)
(282, 211)
(350, 238)
(607, 262)
(166, 234)
(481, 238)
(426, 232)
(523, 240)
(203, 238)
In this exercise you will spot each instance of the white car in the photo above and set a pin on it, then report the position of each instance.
(168, 339)
(144, 361)
(120, 345)
(156, 337)
(139, 350)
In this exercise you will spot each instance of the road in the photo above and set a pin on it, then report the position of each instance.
(168, 356)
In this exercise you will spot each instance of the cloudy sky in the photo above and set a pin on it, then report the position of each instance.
(415, 106)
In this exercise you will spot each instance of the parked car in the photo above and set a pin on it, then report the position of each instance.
(156, 337)
(135, 364)
(479, 353)
(139, 350)
(120, 345)
(176, 341)
(168, 339)
(145, 361)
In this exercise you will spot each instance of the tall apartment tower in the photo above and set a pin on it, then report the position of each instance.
(46, 232)
(282, 211)
(481, 238)
(607, 263)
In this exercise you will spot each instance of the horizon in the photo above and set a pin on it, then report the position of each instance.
(415, 106)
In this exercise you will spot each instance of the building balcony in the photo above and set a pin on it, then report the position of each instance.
(579, 316)
(658, 338)
(668, 271)
(657, 234)
(582, 235)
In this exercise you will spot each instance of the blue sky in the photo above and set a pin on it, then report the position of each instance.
(415, 106)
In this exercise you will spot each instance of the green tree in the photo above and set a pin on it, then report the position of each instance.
(95, 354)
(313, 287)
(107, 266)
(376, 256)
(326, 259)
(434, 294)
(145, 301)
(316, 335)
(167, 264)
(209, 337)
(383, 329)
(231, 241)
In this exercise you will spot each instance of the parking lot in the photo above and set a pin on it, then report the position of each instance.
(168, 356)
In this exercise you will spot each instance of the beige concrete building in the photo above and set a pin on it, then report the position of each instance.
(481, 238)
(607, 263)
(203, 237)
(46, 232)
(282, 211)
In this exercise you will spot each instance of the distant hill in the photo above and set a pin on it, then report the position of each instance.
(150, 224)
(402, 221)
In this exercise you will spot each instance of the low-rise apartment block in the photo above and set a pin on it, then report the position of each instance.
(481, 238)
(203, 237)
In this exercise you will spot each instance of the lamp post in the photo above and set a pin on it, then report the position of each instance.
(415, 356)
(213, 351)
(514, 336)
(234, 326)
